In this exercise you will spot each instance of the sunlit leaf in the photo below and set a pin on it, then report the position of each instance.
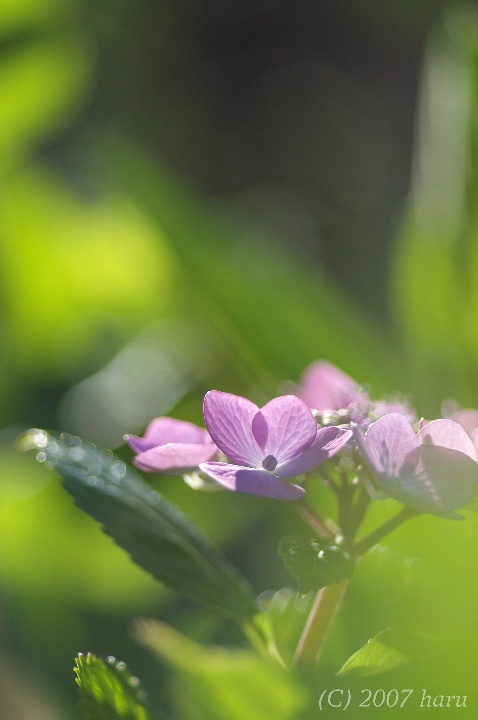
(158, 536)
(69, 275)
(381, 653)
(108, 691)
(41, 85)
(215, 683)
(281, 621)
(15, 15)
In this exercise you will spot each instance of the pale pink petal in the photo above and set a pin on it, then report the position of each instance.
(229, 421)
(370, 458)
(254, 482)
(284, 427)
(467, 418)
(174, 458)
(385, 407)
(328, 442)
(393, 444)
(324, 387)
(444, 481)
(163, 430)
(447, 434)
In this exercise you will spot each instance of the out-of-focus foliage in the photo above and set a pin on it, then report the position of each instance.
(114, 272)
(217, 682)
(436, 269)
(124, 295)
(30, 108)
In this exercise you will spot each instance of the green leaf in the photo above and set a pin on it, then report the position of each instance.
(41, 86)
(214, 683)
(435, 268)
(158, 536)
(314, 562)
(381, 653)
(281, 622)
(108, 691)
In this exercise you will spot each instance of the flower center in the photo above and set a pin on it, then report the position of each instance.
(269, 463)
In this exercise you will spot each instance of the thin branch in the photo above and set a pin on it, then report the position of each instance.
(375, 536)
(359, 510)
(316, 521)
(323, 611)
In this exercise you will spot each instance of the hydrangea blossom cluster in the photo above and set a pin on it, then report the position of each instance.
(430, 467)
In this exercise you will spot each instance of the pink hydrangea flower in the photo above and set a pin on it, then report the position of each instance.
(468, 419)
(434, 471)
(324, 387)
(268, 445)
(171, 446)
(328, 390)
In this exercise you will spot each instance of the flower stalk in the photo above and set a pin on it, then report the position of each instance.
(318, 623)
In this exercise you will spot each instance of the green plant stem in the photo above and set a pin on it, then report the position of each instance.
(316, 522)
(375, 536)
(359, 511)
(318, 623)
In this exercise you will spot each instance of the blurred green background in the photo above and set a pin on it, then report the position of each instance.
(214, 194)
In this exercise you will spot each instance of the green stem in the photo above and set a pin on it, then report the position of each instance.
(359, 511)
(375, 536)
(316, 522)
(318, 623)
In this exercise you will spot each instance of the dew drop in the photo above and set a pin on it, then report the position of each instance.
(41, 457)
(111, 659)
(39, 438)
(121, 666)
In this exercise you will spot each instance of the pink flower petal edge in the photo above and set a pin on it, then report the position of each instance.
(174, 458)
(254, 482)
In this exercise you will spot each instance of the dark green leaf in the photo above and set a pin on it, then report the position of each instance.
(314, 562)
(108, 691)
(158, 536)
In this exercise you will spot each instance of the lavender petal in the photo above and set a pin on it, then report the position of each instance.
(254, 482)
(174, 458)
(284, 427)
(328, 442)
(229, 421)
(447, 434)
(392, 442)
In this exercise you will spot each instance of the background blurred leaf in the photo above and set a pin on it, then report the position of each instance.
(265, 300)
(281, 621)
(112, 276)
(216, 683)
(436, 269)
(42, 85)
(159, 537)
(108, 691)
(15, 15)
